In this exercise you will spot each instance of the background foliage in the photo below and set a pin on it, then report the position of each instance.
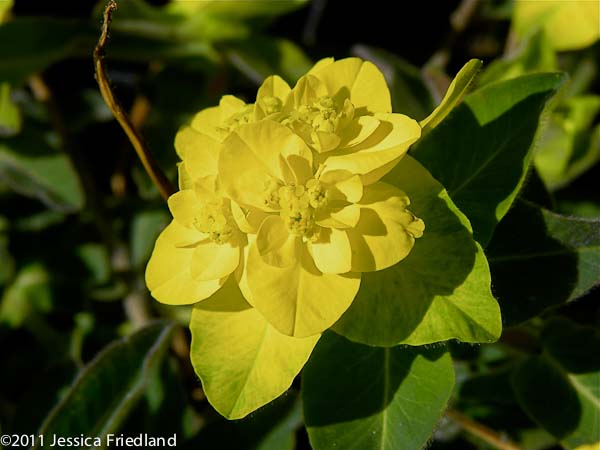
(86, 350)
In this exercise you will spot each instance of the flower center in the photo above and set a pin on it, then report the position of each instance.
(271, 105)
(298, 206)
(321, 115)
(215, 219)
(238, 119)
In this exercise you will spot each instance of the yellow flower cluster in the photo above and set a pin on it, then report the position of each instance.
(284, 195)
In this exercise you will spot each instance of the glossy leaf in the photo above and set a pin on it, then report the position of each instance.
(560, 389)
(541, 259)
(458, 88)
(108, 387)
(243, 362)
(364, 398)
(482, 150)
(440, 291)
(31, 167)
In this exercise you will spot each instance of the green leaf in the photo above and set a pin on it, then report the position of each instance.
(243, 362)
(145, 228)
(482, 150)
(568, 147)
(29, 293)
(261, 57)
(541, 259)
(31, 167)
(364, 398)
(440, 291)
(410, 94)
(236, 9)
(30, 44)
(270, 428)
(108, 387)
(10, 115)
(95, 259)
(458, 88)
(560, 389)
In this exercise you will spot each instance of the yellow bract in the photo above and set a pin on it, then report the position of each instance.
(280, 201)
(569, 25)
(296, 175)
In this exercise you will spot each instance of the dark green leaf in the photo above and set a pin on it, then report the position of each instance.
(109, 386)
(364, 398)
(560, 389)
(260, 57)
(29, 44)
(481, 151)
(269, 428)
(541, 259)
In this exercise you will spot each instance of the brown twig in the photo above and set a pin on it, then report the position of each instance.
(481, 431)
(150, 165)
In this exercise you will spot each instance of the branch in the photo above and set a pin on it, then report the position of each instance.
(150, 165)
(481, 431)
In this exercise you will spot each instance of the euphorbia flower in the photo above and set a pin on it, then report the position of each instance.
(343, 111)
(322, 227)
(203, 245)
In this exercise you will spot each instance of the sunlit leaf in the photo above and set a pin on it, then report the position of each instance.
(458, 88)
(568, 147)
(10, 115)
(243, 361)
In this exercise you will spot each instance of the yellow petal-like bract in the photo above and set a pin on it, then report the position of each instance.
(280, 202)
(569, 24)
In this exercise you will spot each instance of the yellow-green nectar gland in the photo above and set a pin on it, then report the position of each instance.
(271, 105)
(215, 219)
(240, 118)
(321, 115)
(298, 205)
